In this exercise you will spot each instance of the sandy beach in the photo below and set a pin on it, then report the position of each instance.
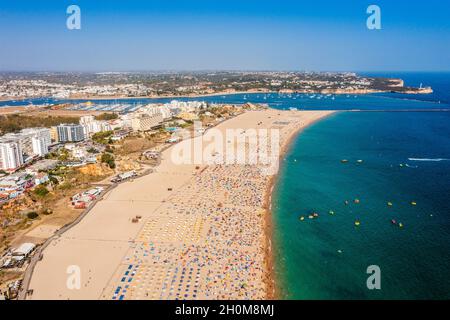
(202, 229)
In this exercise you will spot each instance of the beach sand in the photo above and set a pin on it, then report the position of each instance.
(202, 232)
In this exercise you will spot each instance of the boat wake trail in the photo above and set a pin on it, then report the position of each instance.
(428, 160)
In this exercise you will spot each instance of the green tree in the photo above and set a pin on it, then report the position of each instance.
(102, 137)
(41, 191)
(108, 158)
(32, 215)
(53, 180)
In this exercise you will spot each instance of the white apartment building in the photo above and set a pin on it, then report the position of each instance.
(40, 139)
(11, 156)
(70, 133)
(146, 122)
(40, 147)
(153, 109)
(87, 119)
(126, 119)
(92, 126)
(32, 141)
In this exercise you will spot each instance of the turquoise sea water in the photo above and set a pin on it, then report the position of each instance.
(327, 258)
(415, 260)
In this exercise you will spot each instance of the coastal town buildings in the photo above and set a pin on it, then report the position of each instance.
(40, 140)
(70, 133)
(152, 109)
(82, 200)
(114, 85)
(11, 156)
(54, 134)
(146, 122)
(33, 142)
(14, 185)
(92, 126)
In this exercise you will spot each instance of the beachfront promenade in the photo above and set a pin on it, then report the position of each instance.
(199, 231)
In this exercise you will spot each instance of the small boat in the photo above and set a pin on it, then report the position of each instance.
(315, 215)
(311, 217)
(346, 202)
(394, 222)
(357, 201)
(331, 212)
(389, 204)
(414, 203)
(400, 225)
(302, 218)
(344, 161)
(359, 161)
(357, 223)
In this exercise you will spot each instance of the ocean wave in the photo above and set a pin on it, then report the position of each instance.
(428, 160)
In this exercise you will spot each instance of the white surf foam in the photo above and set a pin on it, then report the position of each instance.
(428, 160)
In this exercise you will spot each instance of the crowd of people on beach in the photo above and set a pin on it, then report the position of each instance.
(204, 247)
(207, 241)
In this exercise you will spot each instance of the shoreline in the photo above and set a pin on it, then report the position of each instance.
(240, 204)
(225, 93)
(171, 96)
(260, 91)
(273, 289)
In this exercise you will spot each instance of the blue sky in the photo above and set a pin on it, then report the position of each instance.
(240, 35)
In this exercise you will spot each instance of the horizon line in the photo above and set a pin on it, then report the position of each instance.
(219, 70)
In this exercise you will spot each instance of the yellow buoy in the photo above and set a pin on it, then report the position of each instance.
(357, 223)
(400, 225)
